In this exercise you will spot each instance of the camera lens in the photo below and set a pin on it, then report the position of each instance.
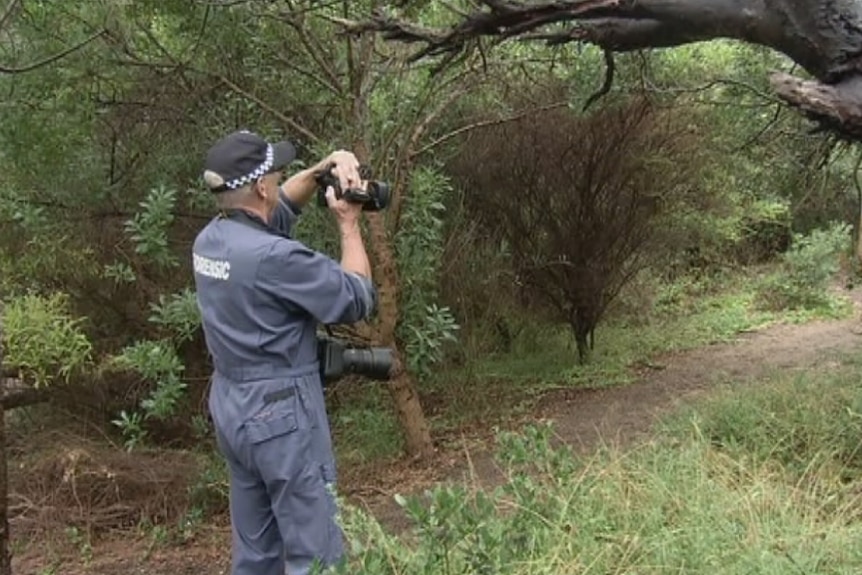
(373, 362)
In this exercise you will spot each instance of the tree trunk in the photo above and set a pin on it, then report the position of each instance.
(859, 240)
(581, 336)
(5, 558)
(402, 387)
(859, 237)
(824, 37)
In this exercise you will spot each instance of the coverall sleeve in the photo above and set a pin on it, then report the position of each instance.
(314, 282)
(285, 215)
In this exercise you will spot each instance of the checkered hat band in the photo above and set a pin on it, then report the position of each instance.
(257, 173)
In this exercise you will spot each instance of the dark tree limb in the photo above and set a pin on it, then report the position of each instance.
(823, 36)
(836, 107)
(50, 59)
(607, 84)
(15, 392)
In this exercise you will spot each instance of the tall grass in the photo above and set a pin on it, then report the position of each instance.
(764, 479)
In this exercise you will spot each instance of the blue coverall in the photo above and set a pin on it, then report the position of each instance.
(261, 295)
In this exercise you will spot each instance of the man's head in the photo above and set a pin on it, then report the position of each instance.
(244, 171)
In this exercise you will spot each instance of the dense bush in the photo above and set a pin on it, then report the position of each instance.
(579, 199)
(42, 340)
(802, 280)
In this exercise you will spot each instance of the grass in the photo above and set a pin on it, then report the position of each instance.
(760, 479)
(551, 359)
(364, 427)
(716, 491)
(497, 388)
(792, 419)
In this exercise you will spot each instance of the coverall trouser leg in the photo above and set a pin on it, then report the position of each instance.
(282, 471)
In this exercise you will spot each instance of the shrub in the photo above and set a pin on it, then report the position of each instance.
(42, 339)
(802, 281)
(667, 508)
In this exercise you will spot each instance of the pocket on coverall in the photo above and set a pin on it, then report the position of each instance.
(274, 420)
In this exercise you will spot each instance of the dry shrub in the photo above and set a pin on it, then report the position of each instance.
(580, 199)
(77, 482)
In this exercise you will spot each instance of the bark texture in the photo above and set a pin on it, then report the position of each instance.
(823, 36)
(5, 558)
(402, 387)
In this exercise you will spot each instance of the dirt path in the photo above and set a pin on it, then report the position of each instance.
(588, 418)
(583, 418)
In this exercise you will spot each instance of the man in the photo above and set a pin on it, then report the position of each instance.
(261, 296)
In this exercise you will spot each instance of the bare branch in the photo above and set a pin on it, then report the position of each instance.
(761, 131)
(609, 80)
(51, 59)
(484, 124)
(711, 84)
(826, 41)
(7, 13)
(837, 107)
(286, 119)
(824, 38)
(315, 51)
(16, 394)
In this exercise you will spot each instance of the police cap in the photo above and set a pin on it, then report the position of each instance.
(242, 157)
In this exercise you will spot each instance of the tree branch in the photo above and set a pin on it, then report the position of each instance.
(315, 51)
(485, 123)
(837, 107)
(7, 13)
(608, 83)
(825, 40)
(287, 120)
(50, 59)
(20, 395)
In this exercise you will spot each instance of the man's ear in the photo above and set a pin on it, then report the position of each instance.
(257, 188)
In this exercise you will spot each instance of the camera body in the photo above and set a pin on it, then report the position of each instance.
(374, 199)
(339, 358)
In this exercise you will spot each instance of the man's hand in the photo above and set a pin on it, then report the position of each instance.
(346, 168)
(346, 213)
(301, 187)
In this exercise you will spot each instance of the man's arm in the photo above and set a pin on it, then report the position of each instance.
(330, 292)
(354, 258)
(302, 278)
(301, 186)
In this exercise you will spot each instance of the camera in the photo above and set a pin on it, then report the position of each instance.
(338, 358)
(374, 199)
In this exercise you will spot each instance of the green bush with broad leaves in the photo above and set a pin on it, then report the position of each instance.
(802, 280)
(43, 340)
(156, 360)
(425, 326)
(178, 314)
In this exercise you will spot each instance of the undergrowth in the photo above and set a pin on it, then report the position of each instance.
(758, 480)
(795, 441)
(497, 386)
